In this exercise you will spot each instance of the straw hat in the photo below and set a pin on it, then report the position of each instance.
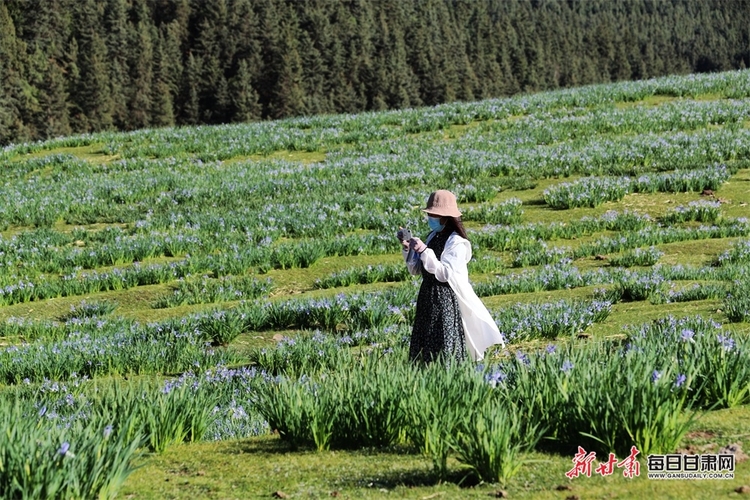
(442, 203)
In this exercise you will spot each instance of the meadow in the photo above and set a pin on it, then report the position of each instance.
(223, 312)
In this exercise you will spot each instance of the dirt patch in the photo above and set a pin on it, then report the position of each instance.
(692, 449)
(736, 450)
(700, 435)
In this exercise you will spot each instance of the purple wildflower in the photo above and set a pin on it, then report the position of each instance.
(495, 378)
(687, 335)
(520, 356)
(726, 342)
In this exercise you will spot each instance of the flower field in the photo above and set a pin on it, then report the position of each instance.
(222, 312)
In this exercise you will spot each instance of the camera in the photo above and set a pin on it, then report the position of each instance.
(403, 234)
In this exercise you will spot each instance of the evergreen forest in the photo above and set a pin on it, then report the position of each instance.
(77, 66)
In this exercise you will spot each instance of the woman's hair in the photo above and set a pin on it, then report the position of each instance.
(454, 224)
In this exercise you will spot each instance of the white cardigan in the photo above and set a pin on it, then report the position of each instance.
(480, 329)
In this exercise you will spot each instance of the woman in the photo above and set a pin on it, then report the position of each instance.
(451, 321)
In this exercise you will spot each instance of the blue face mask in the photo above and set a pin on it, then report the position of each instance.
(434, 223)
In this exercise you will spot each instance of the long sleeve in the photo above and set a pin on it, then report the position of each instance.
(479, 326)
(413, 264)
(412, 259)
(453, 261)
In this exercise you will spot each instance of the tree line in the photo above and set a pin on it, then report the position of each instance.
(69, 66)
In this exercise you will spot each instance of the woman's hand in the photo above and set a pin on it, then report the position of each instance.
(403, 235)
(417, 245)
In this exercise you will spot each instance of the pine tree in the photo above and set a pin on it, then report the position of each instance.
(244, 97)
(466, 79)
(483, 50)
(342, 94)
(511, 58)
(16, 89)
(92, 92)
(7, 129)
(46, 33)
(392, 64)
(117, 28)
(171, 63)
(319, 64)
(363, 53)
(243, 36)
(449, 53)
(269, 33)
(162, 106)
(378, 94)
(70, 64)
(53, 102)
(341, 47)
(243, 43)
(213, 87)
(603, 39)
(181, 19)
(35, 70)
(141, 72)
(422, 57)
(635, 61)
(190, 84)
(318, 99)
(620, 66)
(288, 95)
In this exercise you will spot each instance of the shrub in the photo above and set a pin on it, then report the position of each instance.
(605, 405)
(475, 194)
(638, 286)
(524, 322)
(637, 257)
(586, 192)
(507, 212)
(489, 441)
(716, 364)
(207, 290)
(89, 309)
(739, 253)
(737, 301)
(81, 460)
(698, 291)
(701, 211)
(365, 275)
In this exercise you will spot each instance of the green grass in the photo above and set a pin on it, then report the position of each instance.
(694, 253)
(92, 153)
(259, 467)
(305, 157)
(652, 100)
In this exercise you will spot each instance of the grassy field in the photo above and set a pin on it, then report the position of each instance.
(235, 227)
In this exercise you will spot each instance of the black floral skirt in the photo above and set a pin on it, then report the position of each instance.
(438, 331)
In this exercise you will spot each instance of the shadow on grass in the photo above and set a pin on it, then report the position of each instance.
(270, 444)
(535, 202)
(464, 478)
(418, 477)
